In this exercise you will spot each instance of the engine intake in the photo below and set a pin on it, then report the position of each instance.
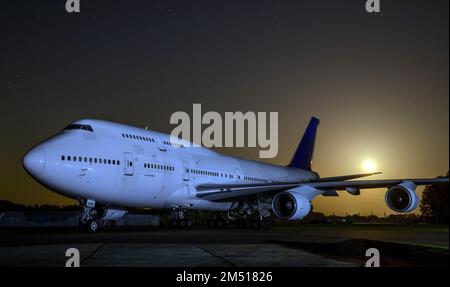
(402, 197)
(290, 205)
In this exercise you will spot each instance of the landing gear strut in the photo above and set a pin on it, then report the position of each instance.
(253, 215)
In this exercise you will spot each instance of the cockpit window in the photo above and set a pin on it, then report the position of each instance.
(79, 127)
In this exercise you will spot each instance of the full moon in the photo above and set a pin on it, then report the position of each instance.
(369, 165)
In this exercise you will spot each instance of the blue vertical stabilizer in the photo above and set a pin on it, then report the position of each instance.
(304, 152)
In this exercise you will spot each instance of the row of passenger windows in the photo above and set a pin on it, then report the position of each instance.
(156, 166)
(152, 140)
(255, 179)
(226, 175)
(210, 173)
(159, 166)
(90, 159)
(147, 139)
(173, 144)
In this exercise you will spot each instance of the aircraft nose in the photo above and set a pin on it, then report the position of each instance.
(34, 161)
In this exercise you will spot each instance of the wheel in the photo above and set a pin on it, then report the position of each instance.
(189, 223)
(219, 223)
(211, 224)
(267, 224)
(174, 223)
(256, 224)
(238, 223)
(93, 225)
(182, 223)
(247, 224)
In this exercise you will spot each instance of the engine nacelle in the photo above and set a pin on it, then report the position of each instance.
(402, 197)
(290, 205)
(113, 214)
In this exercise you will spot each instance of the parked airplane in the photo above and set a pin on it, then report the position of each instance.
(109, 167)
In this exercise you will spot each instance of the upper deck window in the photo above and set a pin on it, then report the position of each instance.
(79, 127)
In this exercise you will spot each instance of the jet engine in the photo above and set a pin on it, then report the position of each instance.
(112, 214)
(402, 197)
(290, 205)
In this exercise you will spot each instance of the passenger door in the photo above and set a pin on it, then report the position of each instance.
(186, 170)
(129, 168)
(160, 144)
(187, 194)
(238, 174)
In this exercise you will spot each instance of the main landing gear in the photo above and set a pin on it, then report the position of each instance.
(181, 219)
(252, 223)
(219, 220)
(240, 220)
(252, 214)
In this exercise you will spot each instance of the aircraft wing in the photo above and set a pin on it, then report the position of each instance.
(221, 192)
(366, 184)
(228, 191)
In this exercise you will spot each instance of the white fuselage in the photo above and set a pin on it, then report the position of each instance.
(125, 166)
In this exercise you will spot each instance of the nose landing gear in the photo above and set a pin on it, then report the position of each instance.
(89, 217)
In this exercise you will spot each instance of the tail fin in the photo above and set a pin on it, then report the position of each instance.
(304, 153)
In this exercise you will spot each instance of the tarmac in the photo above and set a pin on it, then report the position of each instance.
(296, 246)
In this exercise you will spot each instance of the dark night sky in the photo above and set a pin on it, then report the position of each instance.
(379, 83)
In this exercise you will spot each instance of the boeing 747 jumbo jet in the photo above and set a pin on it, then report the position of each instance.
(109, 167)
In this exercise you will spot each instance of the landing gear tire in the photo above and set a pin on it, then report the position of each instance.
(238, 223)
(221, 224)
(189, 223)
(93, 225)
(211, 224)
(256, 224)
(247, 224)
(267, 224)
